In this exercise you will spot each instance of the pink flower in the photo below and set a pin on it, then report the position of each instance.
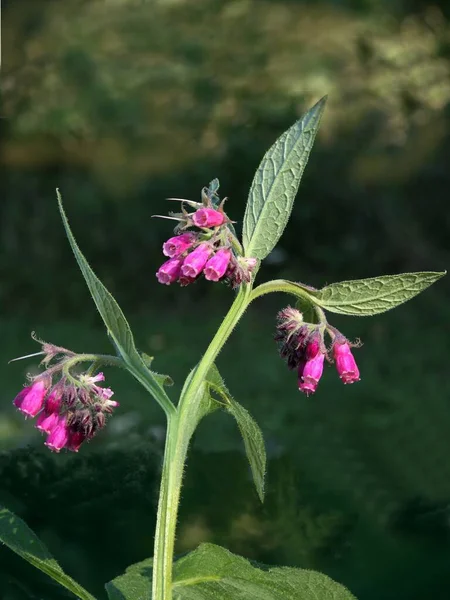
(54, 400)
(309, 373)
(76, 438)
(195, 261)
(106, 393)
(59, 436)
(95, 378)
(345, 362)
(169, 271)
(178, 244)
(47, 423)
(208, 217)
(31, 399)
(217, 266)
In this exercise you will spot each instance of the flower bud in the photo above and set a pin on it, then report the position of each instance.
(195, 261)
(31, 399)
(178, 244)
(76, 438)
(47, 422)
(345, 362)
(240, 270)
(100, 420)
(184, 281)
(217, 266)
(169, 271)
(310, 371)
(208, 217)
(59, 436)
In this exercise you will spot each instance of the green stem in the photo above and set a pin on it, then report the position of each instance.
(289, 287)
(167, 515)
(180, 427)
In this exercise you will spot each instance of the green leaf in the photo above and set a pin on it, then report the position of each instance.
(21, 540)
(116, 323)
(162, 379)
(213, 573)
(365, 297)
(134, 584)
(250, 431)
(275, 184)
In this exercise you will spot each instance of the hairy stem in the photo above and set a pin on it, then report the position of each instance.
(180, 428)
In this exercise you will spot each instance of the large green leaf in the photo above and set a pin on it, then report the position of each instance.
(116, 323)
(21, 540)
(365, 297)
(213, 573)
(276, 182)
(250, 431)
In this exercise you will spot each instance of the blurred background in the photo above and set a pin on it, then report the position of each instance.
(122, 103)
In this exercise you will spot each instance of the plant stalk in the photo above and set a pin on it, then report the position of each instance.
(180, 428)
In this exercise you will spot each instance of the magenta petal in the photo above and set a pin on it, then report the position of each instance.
(345, 362)
(169, 271)
(46, 423)
(195, 261)
(59, 436)
(76, 438)
(32, 398)
(309, 374)
(178, 244)
(217, 266)
(208, 217)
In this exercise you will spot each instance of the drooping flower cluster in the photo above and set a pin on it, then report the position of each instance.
(303, 347)
(70, 411)
(211, 249)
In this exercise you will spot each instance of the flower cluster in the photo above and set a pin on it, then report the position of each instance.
(302, 346)
(70, 411)
(211, 249)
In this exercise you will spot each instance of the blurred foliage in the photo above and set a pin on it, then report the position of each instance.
(121, 103)
(358, 476)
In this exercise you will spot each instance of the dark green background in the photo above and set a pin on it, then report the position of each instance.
(123, 103)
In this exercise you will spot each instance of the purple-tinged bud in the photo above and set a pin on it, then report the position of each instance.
(76, 438)
(240, 270)
(178, 244)
(47, 422)
(217, 266)
(208, 217)
(309, 373)
(250, 263)
(313, 346)
(100, 420)
(54, 400)
(345, 362)
(169, 271)
(195, 261)
(31, 399)
(59, 436)
(289, 319)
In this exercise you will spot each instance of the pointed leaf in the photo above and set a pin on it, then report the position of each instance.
(21, 540)
(162, 379)
(275, 184)
(250, 431)
(134, 584)
(365, 297)
(213, 573)
(115, 321)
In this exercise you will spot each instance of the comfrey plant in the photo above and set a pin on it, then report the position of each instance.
(70, 406)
